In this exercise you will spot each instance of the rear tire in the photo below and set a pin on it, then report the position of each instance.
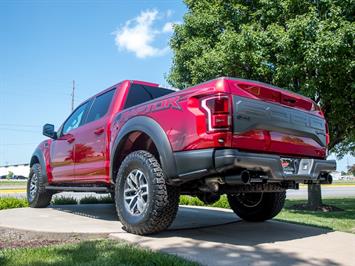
(257, 207)
(112, 195)
(145, 203)
(37, 195)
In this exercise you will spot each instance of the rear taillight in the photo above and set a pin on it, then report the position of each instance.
(276, 95)
(218, 112)
(327, 136)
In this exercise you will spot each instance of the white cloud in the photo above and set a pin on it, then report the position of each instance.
(138, 34)
(168, 27)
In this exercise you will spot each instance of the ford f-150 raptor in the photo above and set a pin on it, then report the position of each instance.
(146, 145)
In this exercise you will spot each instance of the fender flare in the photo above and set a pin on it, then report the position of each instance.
(150, 127)
(39, 155)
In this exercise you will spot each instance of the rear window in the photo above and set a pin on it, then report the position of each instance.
(141, 93)
(100, 106)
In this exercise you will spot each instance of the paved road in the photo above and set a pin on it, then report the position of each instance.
(327, 192)
(208, 236)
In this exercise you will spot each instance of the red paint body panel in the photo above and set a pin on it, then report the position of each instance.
(184, 121)
(90, 152)
(62, 158)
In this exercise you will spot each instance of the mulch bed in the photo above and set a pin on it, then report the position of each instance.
(13, 238)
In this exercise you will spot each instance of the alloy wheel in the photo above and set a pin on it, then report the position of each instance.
(136, 192)
(33, 186)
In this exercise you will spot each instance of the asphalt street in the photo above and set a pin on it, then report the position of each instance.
(327, 192)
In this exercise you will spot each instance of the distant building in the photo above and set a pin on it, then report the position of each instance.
(347, 177)
(336, 175)
(339, 176)
(17, 169)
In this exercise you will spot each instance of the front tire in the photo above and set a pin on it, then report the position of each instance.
(257, 207)
(37, 195)
(145, 203)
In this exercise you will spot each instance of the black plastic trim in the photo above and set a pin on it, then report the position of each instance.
(79, 189)
(194, 164)
(39, 155)
(271, 164)
(197, 164)
(150, 127)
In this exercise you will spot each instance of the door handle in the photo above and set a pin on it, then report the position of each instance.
(70, 140)
(99, 131)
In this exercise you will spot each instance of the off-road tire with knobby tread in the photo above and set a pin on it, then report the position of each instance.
(42, 197)
(163, 199)
(268, 207)
(112, 195)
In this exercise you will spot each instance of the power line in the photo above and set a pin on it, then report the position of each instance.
(19, 130)
(32, 94)
(18, 125)
(72, 96)
(17, 144)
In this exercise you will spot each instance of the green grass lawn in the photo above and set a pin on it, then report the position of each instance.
(11, 183)
(98, 252)
(344, 182)
(340, 221)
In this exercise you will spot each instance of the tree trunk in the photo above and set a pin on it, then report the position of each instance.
(314, 196)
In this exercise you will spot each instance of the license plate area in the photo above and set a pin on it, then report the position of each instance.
(289, 165)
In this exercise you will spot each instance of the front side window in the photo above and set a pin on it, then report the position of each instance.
(100, 106)
(142, 93)
(75, 119)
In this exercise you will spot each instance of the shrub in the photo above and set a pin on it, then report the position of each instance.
(64, 201)
(95, 200)
(194, 201)
(10, 203)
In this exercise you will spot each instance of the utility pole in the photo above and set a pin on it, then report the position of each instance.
(72, 96)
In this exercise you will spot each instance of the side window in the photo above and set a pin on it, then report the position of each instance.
(141, 93)
(100, 106)
(75, 119)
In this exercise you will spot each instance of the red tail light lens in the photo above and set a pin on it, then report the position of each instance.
(273, 94)
(327, 136)
(319, 111)
(218, 105)
(218, 112)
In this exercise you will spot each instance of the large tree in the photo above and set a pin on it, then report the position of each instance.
(306, 46)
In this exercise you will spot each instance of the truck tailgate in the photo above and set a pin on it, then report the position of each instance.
(274, 128)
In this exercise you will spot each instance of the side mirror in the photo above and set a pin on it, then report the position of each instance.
(48, 131)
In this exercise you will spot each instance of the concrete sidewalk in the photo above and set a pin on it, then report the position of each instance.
(270, 243)
(206, 235)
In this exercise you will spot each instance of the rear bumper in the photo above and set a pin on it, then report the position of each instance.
(308, 169)
(202, 163)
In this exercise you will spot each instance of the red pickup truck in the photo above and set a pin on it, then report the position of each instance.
(146, 145)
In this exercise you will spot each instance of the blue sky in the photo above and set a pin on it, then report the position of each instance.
(44, 45)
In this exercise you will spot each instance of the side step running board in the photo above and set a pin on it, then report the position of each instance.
(79, 189)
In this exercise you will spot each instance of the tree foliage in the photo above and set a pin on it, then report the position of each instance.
(10, 175)
(351, 170)
(302, 45)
